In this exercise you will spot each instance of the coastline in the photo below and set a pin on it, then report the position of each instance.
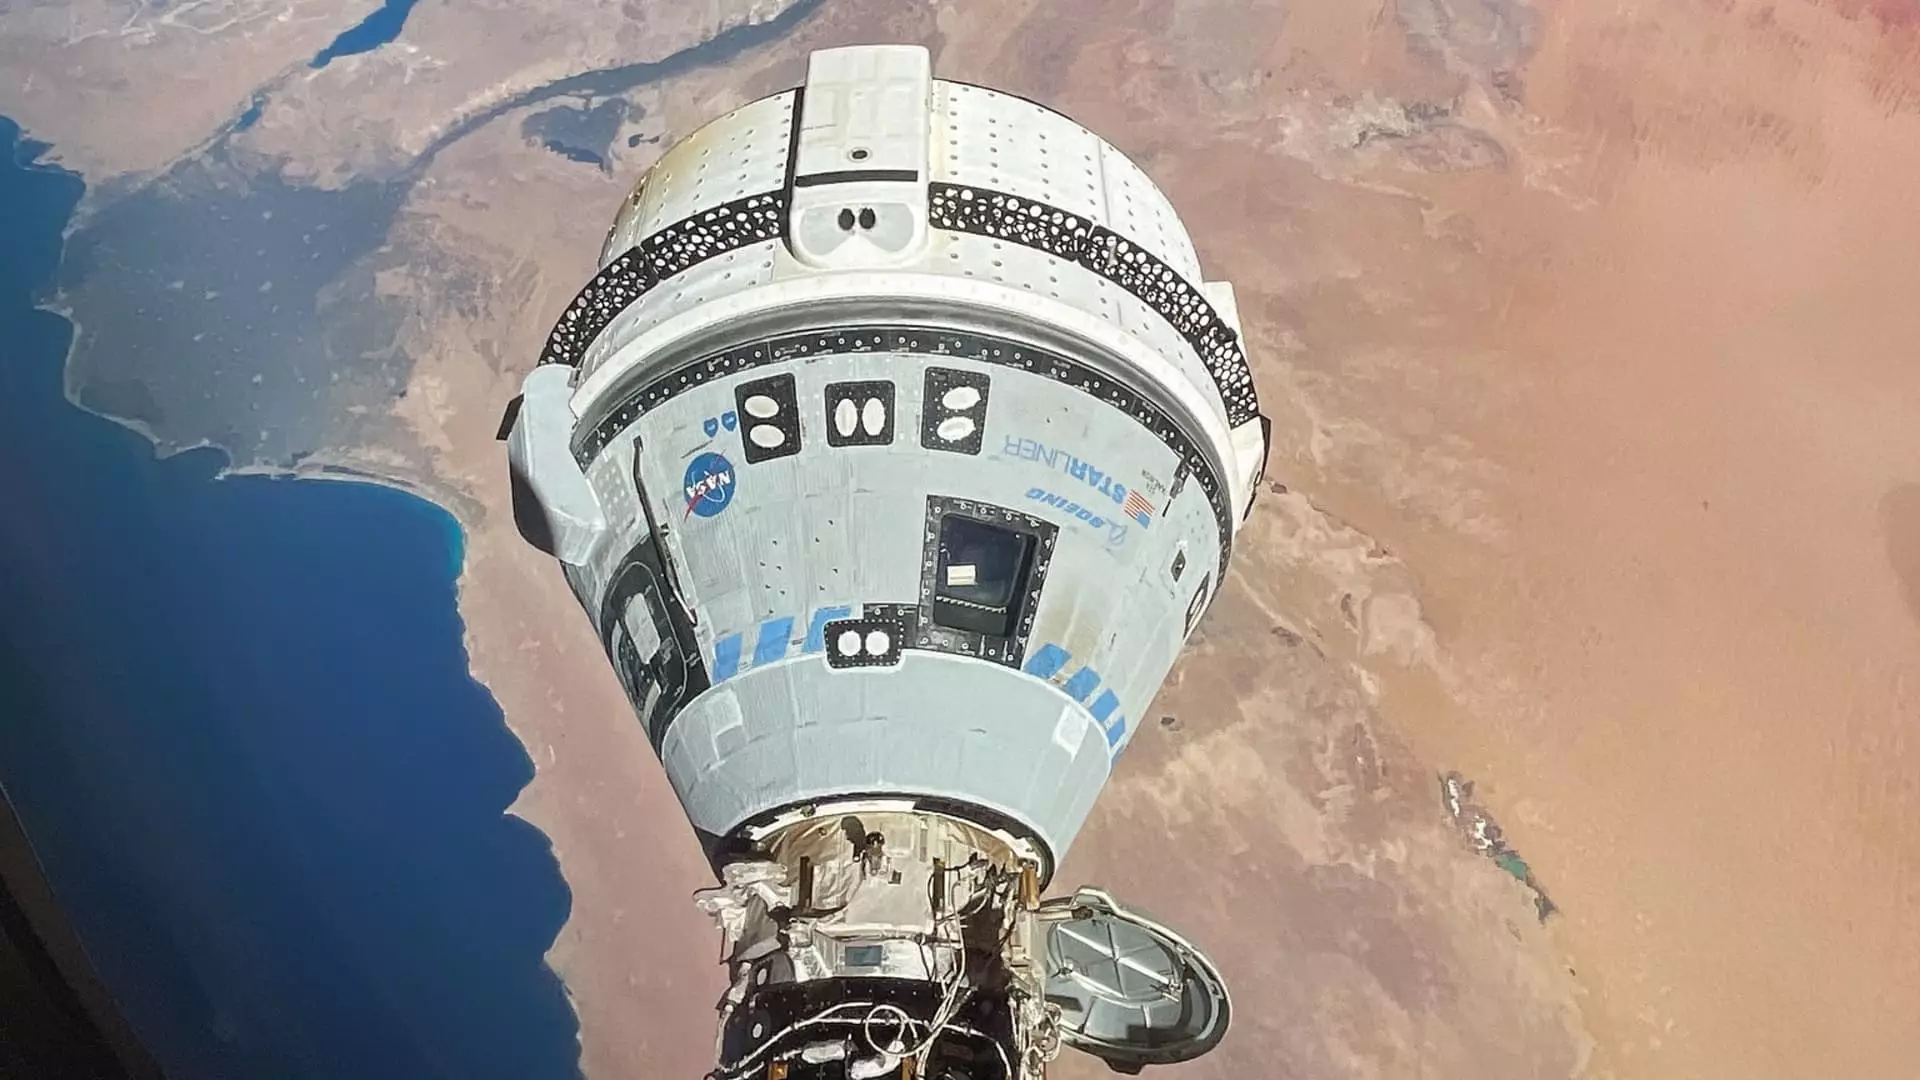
(465, 511)
(587, 808)
(459, 517)
(602, 990)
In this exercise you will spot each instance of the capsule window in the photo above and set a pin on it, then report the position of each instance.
(980, 576)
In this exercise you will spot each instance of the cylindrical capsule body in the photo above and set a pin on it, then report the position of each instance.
(895, 451)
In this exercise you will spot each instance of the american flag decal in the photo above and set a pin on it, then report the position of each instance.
(1138, 508)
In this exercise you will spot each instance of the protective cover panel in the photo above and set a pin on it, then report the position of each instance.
(1130, 991)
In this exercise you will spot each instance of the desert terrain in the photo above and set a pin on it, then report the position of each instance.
(1596, 479)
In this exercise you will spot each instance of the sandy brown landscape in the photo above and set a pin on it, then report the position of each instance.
(1596, 478)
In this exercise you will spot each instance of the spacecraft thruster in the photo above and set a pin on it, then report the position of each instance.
(895, 451)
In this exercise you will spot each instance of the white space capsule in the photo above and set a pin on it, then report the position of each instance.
(894, 452)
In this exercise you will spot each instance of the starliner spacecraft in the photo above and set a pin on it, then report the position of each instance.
(895, 451)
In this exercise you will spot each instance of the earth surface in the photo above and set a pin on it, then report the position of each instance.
(1588, 339)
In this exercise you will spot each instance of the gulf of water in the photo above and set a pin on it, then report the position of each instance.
(237, 722)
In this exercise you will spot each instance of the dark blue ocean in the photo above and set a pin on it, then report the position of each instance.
(237, 723)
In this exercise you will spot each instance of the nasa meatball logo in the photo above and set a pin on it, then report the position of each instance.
(709, 485)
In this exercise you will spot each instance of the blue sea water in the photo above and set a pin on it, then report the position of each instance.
(237, 723)
(372, 32)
